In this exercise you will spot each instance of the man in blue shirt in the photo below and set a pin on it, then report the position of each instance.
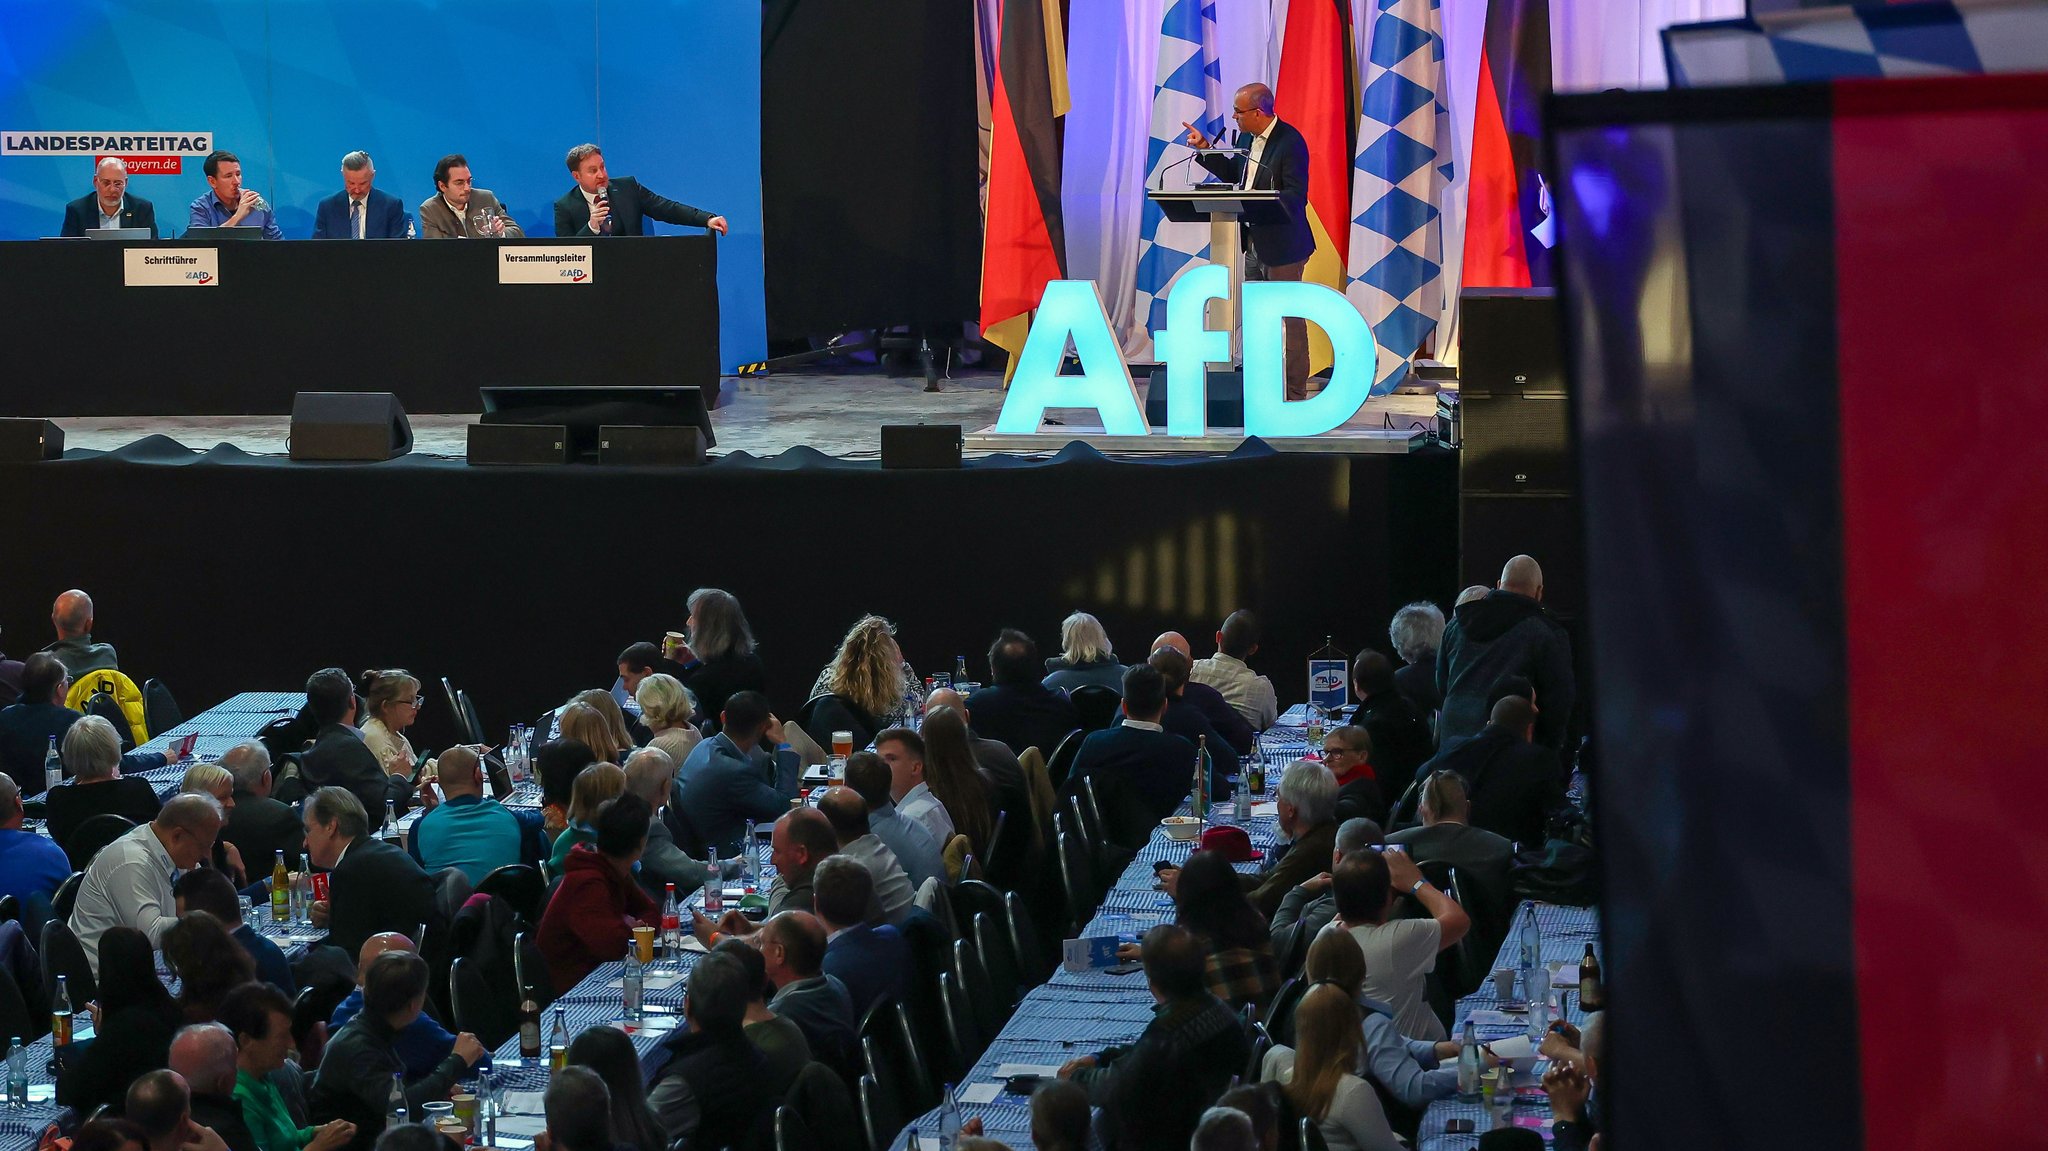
(204, 889)
(915, 849)
(467, 830)
(424, 1043)
(32, 867)
(227, 204)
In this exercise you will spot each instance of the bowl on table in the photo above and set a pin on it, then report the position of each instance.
(1181, 827)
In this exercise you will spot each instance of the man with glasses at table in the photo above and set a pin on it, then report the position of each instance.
(109, 205)
(128, 884)
(1361, 794)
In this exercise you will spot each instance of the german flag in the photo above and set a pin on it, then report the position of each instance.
(1504, 193)
(1024, 241)
(1313, 93)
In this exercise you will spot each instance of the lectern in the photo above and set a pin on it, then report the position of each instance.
(1225, 208)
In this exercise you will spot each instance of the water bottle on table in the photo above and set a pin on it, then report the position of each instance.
(949, 1121)
(53, 766)
(631, 983)
(397, 1106)
(1470, 1063)
(17, 1076)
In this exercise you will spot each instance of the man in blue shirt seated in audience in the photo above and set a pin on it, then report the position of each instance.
(204, 889)
(423, 1043)
(32, 866)
(468, 829)
(793, 953)
(744, 772)
(872, 961)
(868, 774)
(1141, 771)
(27, 727)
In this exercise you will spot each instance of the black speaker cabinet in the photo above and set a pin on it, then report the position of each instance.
(22, 441)
(1493, 529)
(348, 426)
(921, 445)
(1225, 398)
(1513, 417)
(518, 444)
(659, 445)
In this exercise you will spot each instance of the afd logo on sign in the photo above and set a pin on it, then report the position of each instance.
(1072, 310)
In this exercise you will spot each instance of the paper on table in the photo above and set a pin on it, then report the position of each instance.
(522, 1103)
(980, 1093)
(521, 1125)
(1272, 808)
(692, 943)
(1044, 1070)
(653, 982)
(1513, 1047)
(1566, 975)
(1489, 1018)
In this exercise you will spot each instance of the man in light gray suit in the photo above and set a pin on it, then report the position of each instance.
(451, 212)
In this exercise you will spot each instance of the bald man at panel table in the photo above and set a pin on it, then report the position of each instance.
(109, 205)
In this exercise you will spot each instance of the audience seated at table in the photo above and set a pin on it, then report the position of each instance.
(207, 890)
(203, 1055)
(1401, 739)
(216, 781)
(903, 750)
(596, 785)
(1513, 785)
(584, 720)
(1361, 794)
(999, 766)
(872, 961)
(258, 825)
(1152, 1092)
(1086, 657)
(132, 1005)
(27, 727)
(1141, 772)
(1507, 632)
(911, 842)
(1446, 836)
(1306, 805)
(71, 617)
(866, 687)
(372, 886)
(577, 1107)
(1224, 718)
(745, 772)
(469, 830)
(651, 775)
(711, 1089)
(91, 750)
(1414, 1072)
(128, 884)
(793, 955)
(391, 701)
(1016, 707)
(1210, 901)
(340, 758)
(260, 1019)
(1311, 905)
(635, 664)
(666, 708)
(590, 918)
(1416, 631)
(207, 961)
(1399, 953)
(1184, 719)
(895, 898)
(1320, 1073)
(32, 866)
(779, 1039)
(421, 1044)
(556, 764)
(1060, 1116)
(354, 1080)
(161, 1105)
(1263, 1104)
(608, 1054)
(953, 779)
(718, 657)
(1229, 671)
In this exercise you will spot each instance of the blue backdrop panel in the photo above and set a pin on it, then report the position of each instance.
(669, 88)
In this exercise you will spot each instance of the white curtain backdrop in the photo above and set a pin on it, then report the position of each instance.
(1112, 54)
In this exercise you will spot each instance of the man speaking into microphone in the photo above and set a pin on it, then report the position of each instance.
(602, 206)
(227, 204)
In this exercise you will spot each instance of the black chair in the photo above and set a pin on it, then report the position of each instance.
(1280, 1013)
(64, 956)
(1034, 964)
(66, 897)
(535, 965)
(473, 728)
(1261, 1043)
(160, 711)
(96, 832)
(1101, 873)
(879, 1114)
(1312, 1136)
(981, 994)
(886, 1035)
(965, 1040)
(519, 884)
(1073, 859)
(311, 1010)
(103, 704)
(998, 956)
(1000, 852)
(1062, 760)
(971, 897)
(1096, 705)
(10, 909)
(792, 1133)
(454, 709)
(15, 1019)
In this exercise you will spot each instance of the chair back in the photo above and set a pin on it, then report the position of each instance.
(981, 995)
(958, 858)
(472, 727)
(935, 898)
(1076, 877)
(962, 1035)
(519, 884)
(791, 1132)
(1312, 1136)
(455, 708)
(1034, 964)
(1092, 808)
(1096, 705)
(880, 1114)
(1280, 1013)
(64, 955)
(999, 957)
(160, 711)
(1062, 760)
(1038, 786)
(1261, 1044)
(96, 832)
(467, 996)
(10, 909)
(819, 1101)
(973, 896)
(15, 1019)
(311, 1010)
(67, 896)
(887, 1033)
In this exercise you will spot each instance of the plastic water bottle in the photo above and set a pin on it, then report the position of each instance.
(1539, 1002)
(391, 822)
(631, 982)
(1530, 938)
(17, 1075)
(1239, 808)
(752, 863)
(1470, 1062)
(304, 888)
(53, 766)
(400, 1113)
(949, 1121)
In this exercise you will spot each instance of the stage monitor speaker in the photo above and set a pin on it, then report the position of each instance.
(348, 426)
(586, 409)
(921, 446)
(24, 440)
(1514, 421)
(1225, 398)
(1492, 529)
(518, 444)
(659, 445)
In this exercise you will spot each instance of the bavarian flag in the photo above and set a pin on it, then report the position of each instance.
(1024, 241)
(1314, 94)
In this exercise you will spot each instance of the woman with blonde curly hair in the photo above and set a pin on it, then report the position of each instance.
(872, 686)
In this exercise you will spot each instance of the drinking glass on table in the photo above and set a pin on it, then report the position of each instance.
(487, 223)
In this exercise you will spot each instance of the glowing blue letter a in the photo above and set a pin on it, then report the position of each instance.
(1071, 308)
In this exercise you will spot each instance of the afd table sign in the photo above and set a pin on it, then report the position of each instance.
(1072, 310)
(546, 264)
(170, 267)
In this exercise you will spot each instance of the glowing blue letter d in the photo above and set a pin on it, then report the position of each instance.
(1266, 410)
(1072, 308)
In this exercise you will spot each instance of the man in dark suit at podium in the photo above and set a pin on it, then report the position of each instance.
(602, 206)
(359, 211)
(1277, 157)
(109, 205)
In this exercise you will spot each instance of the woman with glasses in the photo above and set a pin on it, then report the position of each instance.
(392, 701)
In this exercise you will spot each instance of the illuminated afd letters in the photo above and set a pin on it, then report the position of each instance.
(1071, 308)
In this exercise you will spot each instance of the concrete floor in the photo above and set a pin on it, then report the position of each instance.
(839, 415)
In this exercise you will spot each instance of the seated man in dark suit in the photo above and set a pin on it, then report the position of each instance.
(1017, 708)
(1152, 1093)
(712, 1087)
(1310, 906)
(26, 728)
(359, 211)
(872, 961)
(1481, 857)
(1141, 771)
(793, 951)
(1400, 735)
(109, 205)
(1187, 721)
(340, 758)
(372, 886)
(746, 771)
(602, 206)
(1210, 702)
(92, 756)
(259, 826)
(1513, 783)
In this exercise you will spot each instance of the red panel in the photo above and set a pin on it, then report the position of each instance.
(1942, 257)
